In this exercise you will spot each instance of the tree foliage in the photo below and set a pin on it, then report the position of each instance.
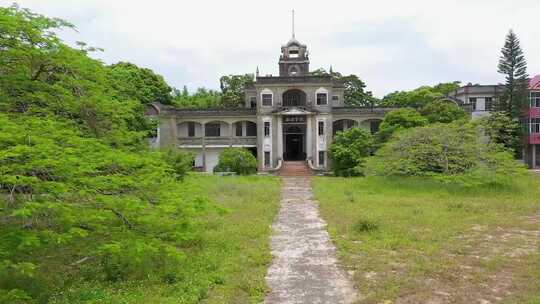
(501, 129)
(512, 64)
(349, 151)
(421, 96)
(238, 160)
(354, 94)
(442, 111)
(202, 98)
(445, 150)
(397, 120)
(80, 193)
(133, 82)
(232, 89)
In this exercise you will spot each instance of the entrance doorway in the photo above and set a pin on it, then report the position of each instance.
(294, 138)
(294, 147)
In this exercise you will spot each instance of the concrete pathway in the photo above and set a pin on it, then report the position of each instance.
(304, 268)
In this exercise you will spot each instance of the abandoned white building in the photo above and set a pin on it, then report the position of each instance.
(287, 118)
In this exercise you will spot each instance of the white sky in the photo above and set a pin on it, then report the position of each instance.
(391, 45)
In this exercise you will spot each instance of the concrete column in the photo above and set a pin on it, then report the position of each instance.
(533, 156)
(230, 134)
(309, 137)
(203, 136)
(279, 137)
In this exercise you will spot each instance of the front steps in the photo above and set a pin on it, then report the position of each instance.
(294, 168)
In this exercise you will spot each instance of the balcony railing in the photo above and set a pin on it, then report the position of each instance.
(218, 141)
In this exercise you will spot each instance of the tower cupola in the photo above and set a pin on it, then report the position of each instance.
(294, 58)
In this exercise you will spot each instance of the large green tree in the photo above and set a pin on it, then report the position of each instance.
(512, 64)
(442, 111)
(355, 93)
(349, 151)
(421, 96)
(82, 198)
(233, 89)
(397, 120)
(142, 84)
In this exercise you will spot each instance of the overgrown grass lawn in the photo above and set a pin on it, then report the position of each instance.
(408, 240)
(227, 264)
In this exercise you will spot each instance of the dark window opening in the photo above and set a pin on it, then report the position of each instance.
(266, 128)
(238, 129)
(488, 104)
(251, 129)
(253, 102)
(321, 128)
(321, 158)
(472, 101)
(335, 98)
(212, 129)
(322, 98)
(267, 99)
(191, 129)
(267, 159)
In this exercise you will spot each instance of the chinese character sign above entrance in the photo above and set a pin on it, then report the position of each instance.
(294, 119)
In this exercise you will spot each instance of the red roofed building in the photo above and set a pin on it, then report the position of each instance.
(532, 149)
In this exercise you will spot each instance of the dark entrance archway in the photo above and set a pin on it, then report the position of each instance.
(294, 98)
(294, 143)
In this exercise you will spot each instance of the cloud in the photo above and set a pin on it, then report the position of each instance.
(392, 45)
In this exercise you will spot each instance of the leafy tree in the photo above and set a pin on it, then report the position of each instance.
(420, 96)
(232, 89)
(80, 191)
(442, 111)
(202, 98)
(397, 120)
(355, 94)
(443, 151)
(238, 160)
(501, 129)
(133, 82)
(513, 65)
(349, 150)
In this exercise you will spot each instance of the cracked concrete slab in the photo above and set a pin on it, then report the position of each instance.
(304, 268)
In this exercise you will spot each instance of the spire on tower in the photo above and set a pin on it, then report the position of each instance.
(293, 23)
(257, 72)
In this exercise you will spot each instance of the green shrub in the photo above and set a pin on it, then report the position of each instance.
(442, 111)
(500, 128)
(180, 161)
(238, 160)
(349, 150)
(399, 120)
(449, 152)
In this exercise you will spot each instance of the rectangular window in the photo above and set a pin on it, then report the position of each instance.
(191, 129)
(535, 99)
(321, 128)
(251, 129)
(489, 103)
(267, 159)
(238, 129)
(322, 99)
(472, 101)
(253, 102)
(321, 158)
(266, 128)
(535, 125)
(212, 129)
(267, 99)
